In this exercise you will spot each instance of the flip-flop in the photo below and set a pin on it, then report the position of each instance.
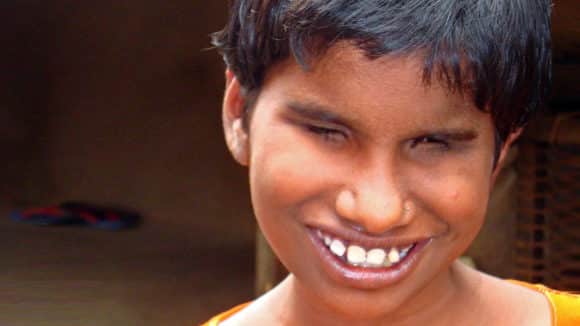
(78, 213)
(102, 217)
(46, 216)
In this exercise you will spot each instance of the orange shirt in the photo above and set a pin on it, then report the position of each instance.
(225, 315)
(565, 306)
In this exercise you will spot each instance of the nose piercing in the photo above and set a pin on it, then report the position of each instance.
(358, 228)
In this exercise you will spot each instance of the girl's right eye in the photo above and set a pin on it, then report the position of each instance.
(327, 134)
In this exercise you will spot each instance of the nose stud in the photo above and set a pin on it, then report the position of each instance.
(359, 228)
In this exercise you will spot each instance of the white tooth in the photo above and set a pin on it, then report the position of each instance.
(394, 256)
(376, 257)
(327, 240)
(337, 247)
(356, 255)
(387, 263)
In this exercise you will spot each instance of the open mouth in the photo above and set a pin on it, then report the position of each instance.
(364, 262)
(357, 255)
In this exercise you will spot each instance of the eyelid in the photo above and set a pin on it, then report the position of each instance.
(324, 131)
(310, 116)
(317, 127)
(431, 139)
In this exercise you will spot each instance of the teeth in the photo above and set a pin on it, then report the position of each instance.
(387, 263)
(319, 233)
(394, 256)
(359, 256)
(337, 247)
(376, 257)
(356, 255)
(327, 241)
(405, 251)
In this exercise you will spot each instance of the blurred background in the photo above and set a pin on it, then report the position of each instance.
(118, 103)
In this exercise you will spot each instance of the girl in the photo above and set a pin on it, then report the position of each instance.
(373, 132)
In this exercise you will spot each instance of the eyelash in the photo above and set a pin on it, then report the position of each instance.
(326, 134)
(431, 141)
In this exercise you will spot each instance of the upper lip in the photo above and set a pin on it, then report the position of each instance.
(370, 241)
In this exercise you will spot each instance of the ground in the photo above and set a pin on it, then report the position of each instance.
(75, 276)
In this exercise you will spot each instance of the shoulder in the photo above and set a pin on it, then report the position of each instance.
(565, 306)
(250, 313)
(257, 312)
(267, 309)
(509, 303)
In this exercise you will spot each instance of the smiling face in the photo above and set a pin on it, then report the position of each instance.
(360, 152)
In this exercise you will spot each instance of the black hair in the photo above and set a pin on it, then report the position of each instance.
(497, 51)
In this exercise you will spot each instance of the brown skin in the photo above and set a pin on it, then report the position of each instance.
(387, 152)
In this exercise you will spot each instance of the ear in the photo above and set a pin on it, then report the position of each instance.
(232, 117)
(507, 144)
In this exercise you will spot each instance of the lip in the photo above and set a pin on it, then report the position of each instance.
(369, 278)
(367, 241)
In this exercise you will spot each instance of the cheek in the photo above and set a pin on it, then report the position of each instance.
(284, 175)
(459, 198)
(285, 172)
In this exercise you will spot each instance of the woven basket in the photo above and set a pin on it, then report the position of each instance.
(548, 225)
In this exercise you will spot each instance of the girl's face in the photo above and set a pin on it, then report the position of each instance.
(366, 183)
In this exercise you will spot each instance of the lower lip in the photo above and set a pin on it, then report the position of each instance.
(366, 278)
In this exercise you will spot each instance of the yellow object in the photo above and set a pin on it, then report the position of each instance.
(225, 315)
(565, 306)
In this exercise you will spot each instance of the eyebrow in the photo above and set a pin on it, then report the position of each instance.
(316, 112)
(460, 135)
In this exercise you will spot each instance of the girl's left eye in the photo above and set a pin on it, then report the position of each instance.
(327, 134)
(430, 141)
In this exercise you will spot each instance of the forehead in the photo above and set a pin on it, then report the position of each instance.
(390, 89)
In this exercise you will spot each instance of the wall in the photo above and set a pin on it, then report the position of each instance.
(119, 102)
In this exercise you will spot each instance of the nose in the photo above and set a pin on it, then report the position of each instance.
(374, 202)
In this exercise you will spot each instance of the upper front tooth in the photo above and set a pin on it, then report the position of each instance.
(394, 255)
(376, 257)
(356, 254)
(337, 247)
